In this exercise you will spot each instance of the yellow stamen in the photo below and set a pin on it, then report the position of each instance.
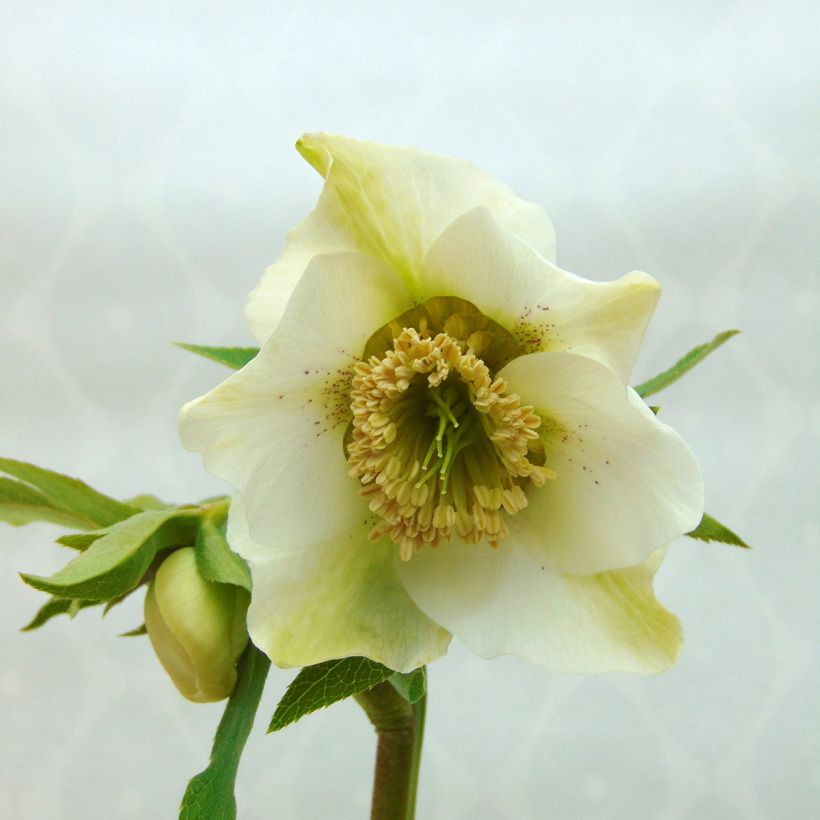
(440, 447)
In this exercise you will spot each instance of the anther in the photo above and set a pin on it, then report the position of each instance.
(441, 449)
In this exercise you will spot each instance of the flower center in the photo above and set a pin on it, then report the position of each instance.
(440, 447)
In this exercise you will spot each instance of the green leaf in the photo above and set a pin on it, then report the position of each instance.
(112, 602)
(69, 494)
(115, 563)
(411, 685)
(233, 357)
(21, 504)
(133, 633)
(57, 606)
(81, 540)
(325, 683)
(711, 530)
(209, 795)
(215, 559)
(684, 365)
(148, 502)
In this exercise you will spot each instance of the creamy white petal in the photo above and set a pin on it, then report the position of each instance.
(391, 203)
(274, 430)
(332, 600)
(543, 306)
(314, 235)
(626, 483)
(502, 602)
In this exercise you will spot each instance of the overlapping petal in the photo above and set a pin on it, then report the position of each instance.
(274, 429)
(571, 585)
(544, 307)
(501, 601)
(391, 203)
(333, 599)
(625, 484)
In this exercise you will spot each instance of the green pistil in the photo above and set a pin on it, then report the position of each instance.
(428, 474)
(444, 409)
(436, 441)
(451, 437)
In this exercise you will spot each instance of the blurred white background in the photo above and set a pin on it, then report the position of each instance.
(148, 177)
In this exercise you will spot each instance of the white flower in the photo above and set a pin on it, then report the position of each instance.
(437, 437)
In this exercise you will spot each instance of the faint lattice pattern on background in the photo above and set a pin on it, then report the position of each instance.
(148, 179)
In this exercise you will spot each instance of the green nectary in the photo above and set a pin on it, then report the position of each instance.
(456, 317)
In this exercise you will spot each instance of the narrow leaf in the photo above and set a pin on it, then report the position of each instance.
(684, 365)
(21, 504)
(81, 540)
(215, 559)
(112, 602)
(209, 795)
(133, 633)
(412, 685)
(325, 683)
(233, 357)
(69, 494)
(711, 530)
(115, 563)
(57, 606)
(148, 502)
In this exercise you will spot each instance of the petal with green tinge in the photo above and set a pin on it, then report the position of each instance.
(505, 603)
(391, 203)
(544, 307)
(333, 600)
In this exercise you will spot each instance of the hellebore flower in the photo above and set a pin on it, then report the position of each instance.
(437, 437)
(197, 627)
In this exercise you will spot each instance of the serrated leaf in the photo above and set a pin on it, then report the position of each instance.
(684, 365)
(70, 494)
(210, 795)
(57, 606)
(21, 504)
(411, 685)
(325, 683)
(233, 357)
(114, 564)
(711, 530)
(133, 633)
(216, 560)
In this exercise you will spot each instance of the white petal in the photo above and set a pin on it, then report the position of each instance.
(274, 430)
(543, 306)
(501, 602)
(391, 203)
(313, 236)
(331, 600)
(626, 483)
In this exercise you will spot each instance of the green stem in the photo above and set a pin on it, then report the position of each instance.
(419, 714)
(399, 729)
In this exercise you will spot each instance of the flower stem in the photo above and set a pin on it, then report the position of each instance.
(399, 730)
(419, 714)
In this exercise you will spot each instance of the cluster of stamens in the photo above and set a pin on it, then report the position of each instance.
(439, 446)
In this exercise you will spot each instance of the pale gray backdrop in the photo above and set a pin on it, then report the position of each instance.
(148, 177)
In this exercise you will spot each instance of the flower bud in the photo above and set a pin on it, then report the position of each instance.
(197, 627)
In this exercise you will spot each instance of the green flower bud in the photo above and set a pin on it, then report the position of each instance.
(197, 627)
